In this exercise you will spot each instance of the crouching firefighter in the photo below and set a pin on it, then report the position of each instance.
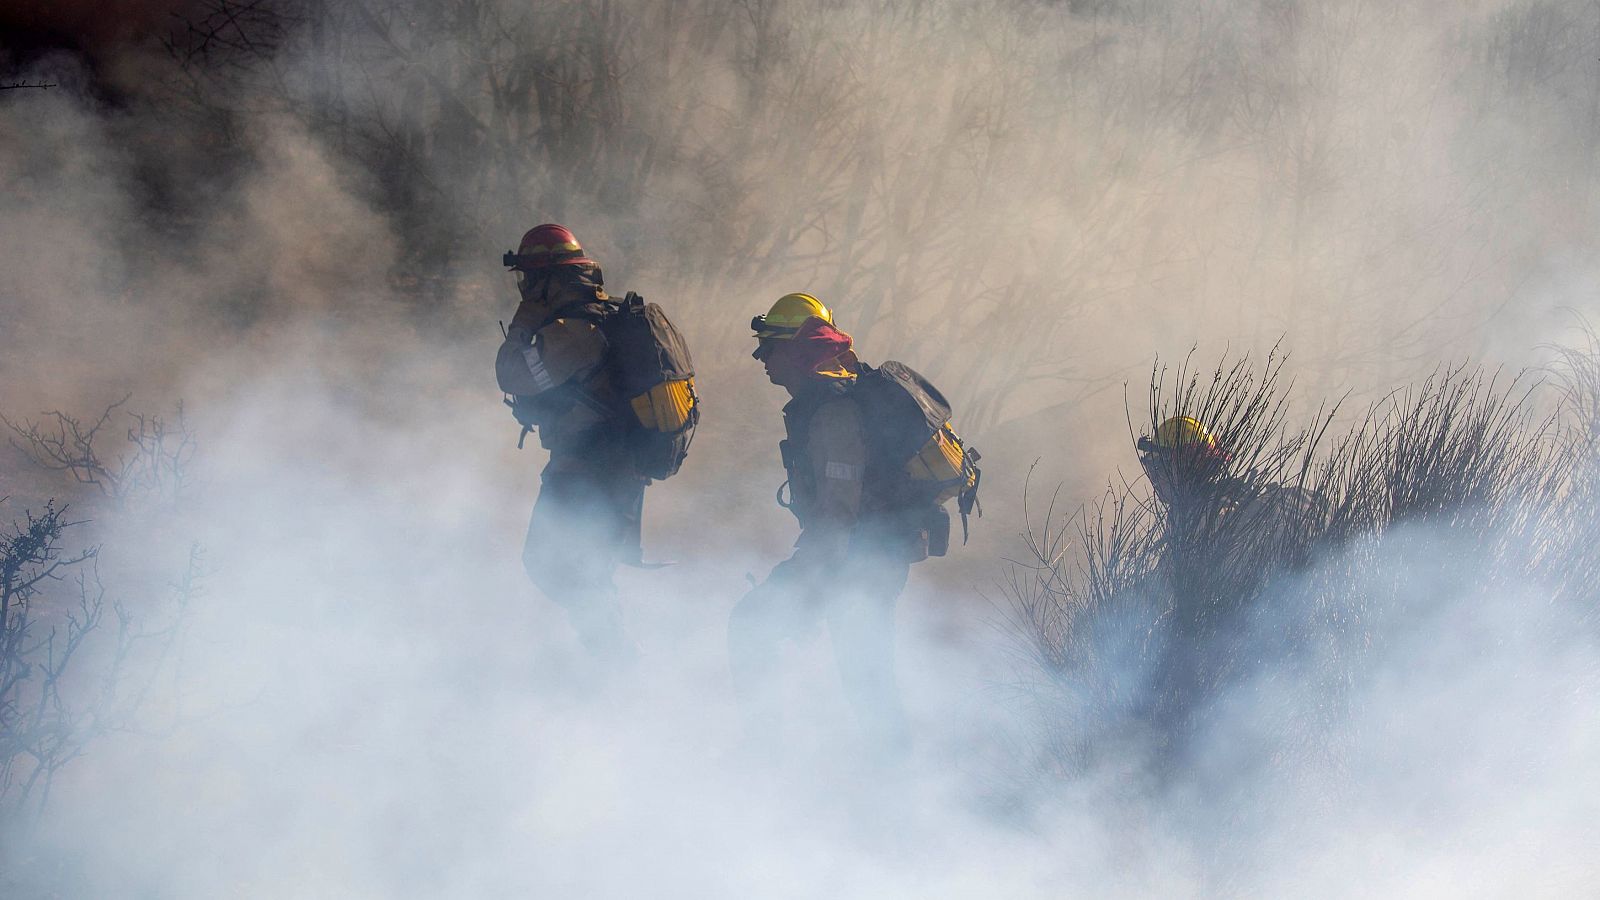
(871, 459)
(609, 386)
(1224, 531)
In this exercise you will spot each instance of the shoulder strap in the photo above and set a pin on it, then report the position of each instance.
(596, 311)
(967, 500)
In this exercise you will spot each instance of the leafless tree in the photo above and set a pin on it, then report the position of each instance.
(36, 734)
(68, 676)
(155, 464)
(1002, 174)
(75, 661)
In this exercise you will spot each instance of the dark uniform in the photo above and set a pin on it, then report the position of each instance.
(586, 520)
(849, 566)
(1221, 538)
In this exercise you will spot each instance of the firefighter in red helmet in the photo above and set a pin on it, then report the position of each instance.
(553, 364)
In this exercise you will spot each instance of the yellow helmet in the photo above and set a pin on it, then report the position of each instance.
(1183, 431)
(788, 314)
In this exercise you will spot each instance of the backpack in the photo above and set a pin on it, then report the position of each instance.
(917, 456)
(648, 362)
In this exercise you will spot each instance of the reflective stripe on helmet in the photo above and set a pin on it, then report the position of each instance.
(547, 245)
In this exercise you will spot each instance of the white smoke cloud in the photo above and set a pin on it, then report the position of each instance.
(377, 704)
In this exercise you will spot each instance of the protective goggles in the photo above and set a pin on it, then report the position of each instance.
(765, 329)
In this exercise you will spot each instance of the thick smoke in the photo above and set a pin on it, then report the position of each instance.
(1025, 201)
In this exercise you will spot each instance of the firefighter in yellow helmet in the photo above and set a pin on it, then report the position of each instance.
(790, 359)
(1222, 531)
(1191, 470)
(1184, 462)
(850, 563)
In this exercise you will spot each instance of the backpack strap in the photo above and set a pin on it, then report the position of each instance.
(967, 500)
(792, 449)
(596, 312)
(579, 395)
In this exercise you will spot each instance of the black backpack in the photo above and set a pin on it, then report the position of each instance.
(648, 363)
(650, 368)
(914, 453)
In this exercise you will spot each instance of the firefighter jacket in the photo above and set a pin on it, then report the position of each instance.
(826, 456)
(553, 363)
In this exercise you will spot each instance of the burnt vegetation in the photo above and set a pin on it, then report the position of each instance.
(1138, 617)
(153, 465)
(997, 173)
(79, 660)
(75, 664)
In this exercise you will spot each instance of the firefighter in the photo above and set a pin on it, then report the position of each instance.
(1186, 466)
(1222, 533)
(851, 560)
(1190, 472)
(586, 520)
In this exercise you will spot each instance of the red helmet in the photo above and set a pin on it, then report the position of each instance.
(547, 245)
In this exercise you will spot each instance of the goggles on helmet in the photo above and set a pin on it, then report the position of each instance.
(766, 331)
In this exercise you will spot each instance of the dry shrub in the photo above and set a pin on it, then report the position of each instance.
(1138, 617)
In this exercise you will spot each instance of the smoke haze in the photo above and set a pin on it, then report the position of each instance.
(299, 235)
